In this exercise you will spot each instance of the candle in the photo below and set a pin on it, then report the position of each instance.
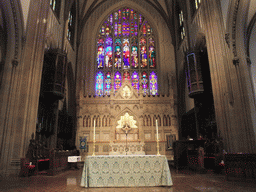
(94, 130)
(156, 131)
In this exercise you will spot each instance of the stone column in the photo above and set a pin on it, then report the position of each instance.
(229, 83)
(247, 130)
(24, 86)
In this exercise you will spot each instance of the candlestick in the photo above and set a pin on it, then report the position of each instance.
(94, 130)
(157, 139)
(156, 131)
(93, 152)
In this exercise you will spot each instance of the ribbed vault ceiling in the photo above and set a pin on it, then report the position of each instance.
(87, 7)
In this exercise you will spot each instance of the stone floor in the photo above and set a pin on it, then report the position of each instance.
(184, 181)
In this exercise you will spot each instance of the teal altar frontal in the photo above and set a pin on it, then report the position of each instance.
(126, 171)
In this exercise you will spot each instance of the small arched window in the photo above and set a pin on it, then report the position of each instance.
(194, 4)
(84, 121)
(89, 121)
(145, 120)
(149, 121)
(95, 121)
(71, 24)
(168, 120)
(106, 121)
(98, 121)
(154, 121)
(164, 121)
(181, 25)
(197, 3)
(103, 121)
(159, 120)
(56, 6)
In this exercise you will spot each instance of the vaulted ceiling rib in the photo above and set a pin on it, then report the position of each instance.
(90, 6)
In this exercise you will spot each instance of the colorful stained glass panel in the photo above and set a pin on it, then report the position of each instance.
(116, 16)
(134, 57)
(120, 48)
(144, 83)
(108, 83)
(115, 29)
(143, 53)
(135, 80)
(100, 54)
(117, 81)
(118, 53)
(153, 83)
(126, 76)
(152, 57)
(99, 84)
(109, 52)
(126, 54)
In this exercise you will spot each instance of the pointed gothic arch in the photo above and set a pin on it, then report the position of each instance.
(89, 121)
(159, 120)
(154, 120)
(85, 121)
(145, 120)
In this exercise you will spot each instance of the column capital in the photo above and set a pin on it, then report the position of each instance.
(15, 62)
(236, 61)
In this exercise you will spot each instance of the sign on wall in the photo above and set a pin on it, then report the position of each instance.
(83, 143)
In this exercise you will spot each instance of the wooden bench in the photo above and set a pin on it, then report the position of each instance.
(240, 166)
(26, 167)
(44, 160)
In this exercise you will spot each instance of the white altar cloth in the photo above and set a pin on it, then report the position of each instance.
(126, 171)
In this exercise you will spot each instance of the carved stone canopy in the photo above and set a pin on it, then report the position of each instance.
(126, 120)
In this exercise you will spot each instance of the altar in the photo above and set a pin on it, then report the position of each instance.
(126, 171)
(122, 148)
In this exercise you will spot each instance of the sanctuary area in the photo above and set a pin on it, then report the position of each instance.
(127, 90)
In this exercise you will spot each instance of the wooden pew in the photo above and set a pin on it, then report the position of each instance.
(240, 166)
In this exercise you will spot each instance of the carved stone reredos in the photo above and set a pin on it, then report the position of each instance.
(126, 91)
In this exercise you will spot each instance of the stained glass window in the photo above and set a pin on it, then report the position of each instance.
(117, 81)
(126, 52)
(143, 53)
(108, 85)
(100, 54)
(152, 53)
(144, 83)
(134, 54)
(153, 83)
(118, 52)
(126, 76)
(109, 52)
(135, 80)
(99, 84)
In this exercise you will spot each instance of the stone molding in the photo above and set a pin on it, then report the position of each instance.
(16, 29)
(234, 25)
